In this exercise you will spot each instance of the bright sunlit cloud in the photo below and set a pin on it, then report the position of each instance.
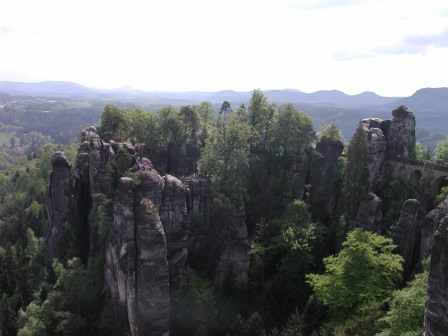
(392, 47)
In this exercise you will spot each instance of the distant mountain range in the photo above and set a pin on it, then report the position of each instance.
(430, 105)
(69, 89)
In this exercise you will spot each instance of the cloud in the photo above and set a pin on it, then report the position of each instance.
(417, 44)
(410, 45)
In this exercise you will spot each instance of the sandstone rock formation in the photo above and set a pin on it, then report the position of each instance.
(324, 191)
(159, 225)
(59, 205)
(369, 215)
(400, 133)
(436, 308)
(377, 147)
(136, 269)
(405, 235)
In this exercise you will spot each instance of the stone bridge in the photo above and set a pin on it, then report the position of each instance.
(428, 175)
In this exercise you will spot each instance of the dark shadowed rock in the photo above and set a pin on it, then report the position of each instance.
(324, 191)
(59, 205)
(369, 215)
(176, 223)
(405, 235)
(436, 307)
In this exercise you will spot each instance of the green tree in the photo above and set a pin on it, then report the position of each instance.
(364, 270)
(226, 154)
(190, 120)
(330, 132)
(420, 153)
(441, 152)
(261, 113)
(194, 303)
(356, 172)
(115, 123)
(407, 309)
(206, 113)
(292, 131)
(139, 121)
(170, 124)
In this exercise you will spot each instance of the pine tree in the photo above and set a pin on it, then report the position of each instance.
(356, 172)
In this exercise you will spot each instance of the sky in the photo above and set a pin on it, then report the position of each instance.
(391, 47)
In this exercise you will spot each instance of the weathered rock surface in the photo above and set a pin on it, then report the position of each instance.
(324, 191)
(436, 308)
(159, 225)
(400, 133)
(59, 205)
(136, 270)
(377, 147)
(405, 235)
(429, 227)
(369, 216)
(176, 223)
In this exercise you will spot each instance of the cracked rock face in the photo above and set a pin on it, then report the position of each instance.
(436, 307)
(405, 234)
(59, 205)
(400, 133)
(137, 272)
(377, 148)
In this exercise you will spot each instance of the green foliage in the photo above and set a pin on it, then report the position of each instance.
(190, 120)
(206, 113)
(420, 153)
(260, 115)
(115, 123)
(356, 173)
(394, 194)
(170, 124)
(292, 132)
(123, 161)
(407, 309)
(365, 322)
(194, 303)
(226, 154)
(330, 132)
(364, 270)
(441, 152)
(442, 194)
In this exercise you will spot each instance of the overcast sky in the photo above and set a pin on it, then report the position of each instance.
(391, 47)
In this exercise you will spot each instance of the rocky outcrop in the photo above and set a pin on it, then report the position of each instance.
(429, 227)
(406, 236)
(377, 148)
(324, 189)
(59, 206)
(369, 215)
(176, 223)
(159, 225)
(136, 270)
(400, 133)
(436, 307)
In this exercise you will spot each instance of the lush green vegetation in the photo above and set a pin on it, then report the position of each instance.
(297, 284)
